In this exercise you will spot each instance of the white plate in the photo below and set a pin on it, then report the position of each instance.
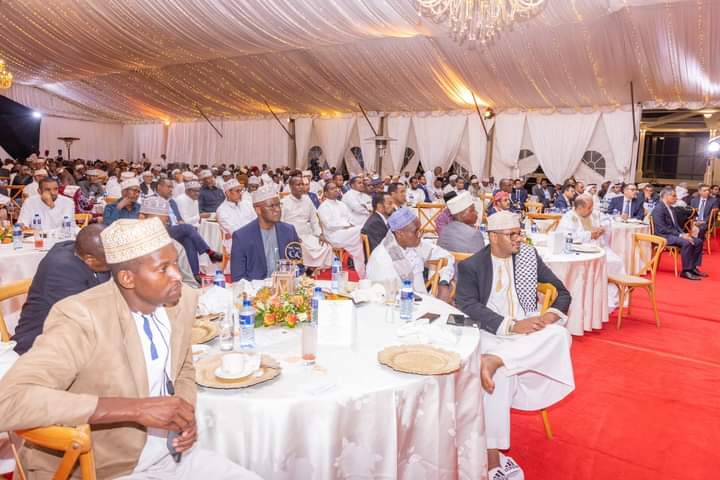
(220, 373)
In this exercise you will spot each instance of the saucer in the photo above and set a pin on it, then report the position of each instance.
(223, 375)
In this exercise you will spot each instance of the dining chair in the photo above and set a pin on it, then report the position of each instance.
(673, 250)
(428, 213)
(533, 207)
(552, 218)
(8, 291)
(366, 246)
(83, 219)
(75, 443)
(627, 283)
(549, 294)
(433, 282)
(710, 233)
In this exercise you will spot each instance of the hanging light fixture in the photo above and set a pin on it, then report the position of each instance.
(477, 20)
(6, 77)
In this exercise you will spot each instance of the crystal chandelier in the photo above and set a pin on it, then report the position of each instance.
(6, 77)
(477, 20)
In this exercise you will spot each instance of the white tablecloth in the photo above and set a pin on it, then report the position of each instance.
(585, 277)
(17, 265)
(621, 242)
(212, 234)
(350, 417)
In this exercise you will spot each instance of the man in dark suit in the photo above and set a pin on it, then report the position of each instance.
(666, 226)
(544, 192)
(564, 201)
(518, 196)
(257, 246)
(376, 226)
(704, 204)
(628, 205)
(69, 268)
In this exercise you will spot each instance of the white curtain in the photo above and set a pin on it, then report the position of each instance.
(477, 143)
(147, 138)
(560, 140)
(244, 142)
(303, 134)
(397, 128)
(367, 146)
(619, 128)
(509, 131)
(97, 140)
(438, 139)
(333, 135)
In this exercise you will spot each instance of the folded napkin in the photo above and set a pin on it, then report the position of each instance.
(215, 300)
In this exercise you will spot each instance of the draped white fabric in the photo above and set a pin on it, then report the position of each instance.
(244, 142)
(333, 135)
(97, 140)
(619, 128)
(477, 143)
(303, 135)
(560, 141)
(509, 130)
(438, 139)
(367, 146)
(148, 138)
(398, 128)
(49, 104)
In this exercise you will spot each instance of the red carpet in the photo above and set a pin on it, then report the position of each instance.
(647, 400)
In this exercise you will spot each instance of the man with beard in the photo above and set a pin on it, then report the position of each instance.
(49, 205)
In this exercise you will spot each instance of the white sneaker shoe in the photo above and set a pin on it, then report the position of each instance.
(496, 474)
(511, 469)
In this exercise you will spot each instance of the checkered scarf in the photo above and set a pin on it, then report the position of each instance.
(525, 264)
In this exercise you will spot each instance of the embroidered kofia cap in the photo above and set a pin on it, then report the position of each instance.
(503, 220)
(130, 183)
(460, 203)
(401, 218)
(128, 239)
(155, 205)
(266, 192)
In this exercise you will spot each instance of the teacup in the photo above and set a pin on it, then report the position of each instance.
(240, 364)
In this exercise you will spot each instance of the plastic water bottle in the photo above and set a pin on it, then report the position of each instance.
(38, 232)
(315, 305)
(17, 237)
(219, 280)
(227, 326)
(247, 326)
(533, 227)
(336, 272)
(407, 296)
(568, 243)
(66, 228)
(483, 228)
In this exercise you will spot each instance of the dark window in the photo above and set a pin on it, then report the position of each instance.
(409, 154)
(525, 153)
(675, 155)
(594, 160)
(357, 153)
(314, 155)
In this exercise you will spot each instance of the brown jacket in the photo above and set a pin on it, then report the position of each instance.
(90, 348)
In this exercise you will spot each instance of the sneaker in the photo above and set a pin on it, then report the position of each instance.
(496, 474)
(511, 469)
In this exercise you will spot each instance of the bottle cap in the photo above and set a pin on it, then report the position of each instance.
(247, 303)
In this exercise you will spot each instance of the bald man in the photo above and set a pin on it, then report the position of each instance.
(69, 268)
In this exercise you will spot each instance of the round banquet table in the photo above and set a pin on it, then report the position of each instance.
(585, 277)
(17, 265)
(349, 416)
(210, 231)
(620, 241)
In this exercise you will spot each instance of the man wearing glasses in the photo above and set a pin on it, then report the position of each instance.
(525, 355)
(628, 205)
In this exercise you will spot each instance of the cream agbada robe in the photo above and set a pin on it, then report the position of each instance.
(300, 213)
(339, 230)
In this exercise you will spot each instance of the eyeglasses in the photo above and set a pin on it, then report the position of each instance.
(511, 235)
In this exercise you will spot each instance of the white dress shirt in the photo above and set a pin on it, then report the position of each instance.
(232, 216)
(51, 218)
(189, 209)
(360, 205)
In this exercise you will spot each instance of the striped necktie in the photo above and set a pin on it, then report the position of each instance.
(148, 332)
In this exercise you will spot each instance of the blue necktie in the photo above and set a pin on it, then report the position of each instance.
(148, 332)
(701, 210)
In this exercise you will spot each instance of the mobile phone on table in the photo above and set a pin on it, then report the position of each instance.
(430, 316)
(460, 320)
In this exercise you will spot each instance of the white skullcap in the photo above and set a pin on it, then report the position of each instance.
(192, 184)
(226, 172)
(253, 180)
(129, 183)
(40, 171)
(94, 172)
(307, 173)
(187, 175)
(503, 220)
(147, 173)
(176, 171)
(155, 205)
(485, 179)
(453, 177)
(266, 192)
(126, 175)
(460, 202)
(230, 184)
(205, 174)
(127, 239)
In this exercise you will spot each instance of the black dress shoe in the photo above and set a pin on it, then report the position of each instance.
(689, 275)
(697, 272)
(216, 257)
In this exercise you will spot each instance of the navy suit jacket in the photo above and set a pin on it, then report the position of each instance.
(247, 259)
(175, 209)
(636, 207)
(663, 222)
(709, 205)
(561, 202)
(519, 196)
(314, 199)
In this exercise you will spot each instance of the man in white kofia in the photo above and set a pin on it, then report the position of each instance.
(525, 354)
(234, 212)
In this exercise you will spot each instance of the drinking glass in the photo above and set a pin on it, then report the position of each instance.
(309, 342)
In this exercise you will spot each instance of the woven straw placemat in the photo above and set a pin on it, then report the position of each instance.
(420, 359)
(205, 373)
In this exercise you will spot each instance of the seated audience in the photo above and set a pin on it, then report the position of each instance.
(628, 205)
(403, 253)
(397, 193)
(357, 201)
(210, 195)
(500, 203)
(118, 357)
(518, 196)
(70, 267)
(544, 192)
(49, 205)
(526, 360)
(338, 227)
(462, 234)
(188, 205)
(564, 201)
(33, 188)
(127, 207)
(376, 226)
(234, 212)
(703, 203)
(415, 194)
(164, 190)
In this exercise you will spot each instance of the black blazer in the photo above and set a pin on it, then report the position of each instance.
(474, 282)
(663, 222)
(709, 205)
(637, 210)
(376, 229)
(540, 194)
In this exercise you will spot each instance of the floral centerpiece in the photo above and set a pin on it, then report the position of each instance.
(284, 310)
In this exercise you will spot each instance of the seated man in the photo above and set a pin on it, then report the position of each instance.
(565, 199)
(462, 234)
(49, 205)
(397, 192)
(627, 205)
(501, 202)
(311, 195)
(188, 205)
(158, 207)
(164, 190)
(258, 246)
(135, 326)
(525, 356)
(338, 227)
(127, 207)
(583, 221)
(667, 226)
(210, 195)
(298, 211)
(703, 204)
(402, 255)
(357, 201)
(234, 212)
(33, 188)
(70, 267)
(376, 226)
(415, 194)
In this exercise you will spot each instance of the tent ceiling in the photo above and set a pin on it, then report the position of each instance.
(154, 60)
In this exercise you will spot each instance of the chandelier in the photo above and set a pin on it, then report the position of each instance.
(6, 77)
(477, 20)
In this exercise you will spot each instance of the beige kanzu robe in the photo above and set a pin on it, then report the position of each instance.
(301, 214)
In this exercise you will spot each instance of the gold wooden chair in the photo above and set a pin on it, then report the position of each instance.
(366, 246)
(635, 280)
(533, 207)
(83, 219)
(673, 250)
(552, 218)
(459, 257)
(75, 443)
(7, 292)
(15, 192)
(710, 233)
(428, 213)
(433, 282)
(549, 294)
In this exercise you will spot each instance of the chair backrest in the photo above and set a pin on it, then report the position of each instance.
(433, 281)
(460, 256)
(689, 222)
(76, 443)
(83, 219)
(366, 245)
(15, 192)
(551, 221)
(8, 291)
(549, 293)
(533, 207)
(427, 213)
(712, 222)
(657, 246)
(652, 224)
